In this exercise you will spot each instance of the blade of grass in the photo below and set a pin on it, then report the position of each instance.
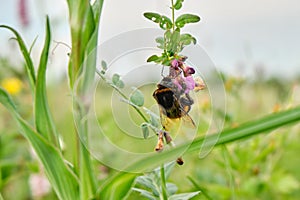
(246, 130)
(163, 182)
(43, 119)
(63, 181)
(198, 187)
(26, 55)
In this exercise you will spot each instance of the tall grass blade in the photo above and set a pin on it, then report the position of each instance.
(246, 130)
(63, 181)
(26, 55)
(43, 119)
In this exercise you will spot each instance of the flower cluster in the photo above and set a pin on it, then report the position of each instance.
(182, 79)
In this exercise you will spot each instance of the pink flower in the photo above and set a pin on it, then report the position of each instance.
(175, 63)
(189, 83)
(188, 71)
(23, 14)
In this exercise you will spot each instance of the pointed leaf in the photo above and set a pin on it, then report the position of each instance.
(61, 178)
(26, 55)
(145, 193)
(154, 58)
(183, 196)
(243, 131)
(184, 19)
(43, 118)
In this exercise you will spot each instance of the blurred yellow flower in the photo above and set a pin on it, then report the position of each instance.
(12, 85)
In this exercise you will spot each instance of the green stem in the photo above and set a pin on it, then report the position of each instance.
(173, 15)
(163, 182)
(123, 95)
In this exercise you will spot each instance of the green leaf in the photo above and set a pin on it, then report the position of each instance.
(62, 180)
(171, 188)
(26, 55)
(120, 84)
(178, 4)
(117, 187)
(155, 17)
(251, 128)
(145, 193)
(163, 21)
(137, 98)
(174, 43)
(166, 62)
(184, 19)
(161, 42)
(187, 39)
(145, 130)
(115, 79)
(183, 196)
(154, 58)
(43, 119)
(154, 120)
(103, 65)
(148, 182)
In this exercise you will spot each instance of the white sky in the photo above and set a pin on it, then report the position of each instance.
(234, 33)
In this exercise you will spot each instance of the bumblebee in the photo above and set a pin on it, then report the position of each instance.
(172, 104)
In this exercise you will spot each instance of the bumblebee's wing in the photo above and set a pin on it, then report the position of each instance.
(185, 117)
(188, 121)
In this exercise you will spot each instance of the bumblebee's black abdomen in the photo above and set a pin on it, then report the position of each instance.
(169, 104)
(165, 99)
